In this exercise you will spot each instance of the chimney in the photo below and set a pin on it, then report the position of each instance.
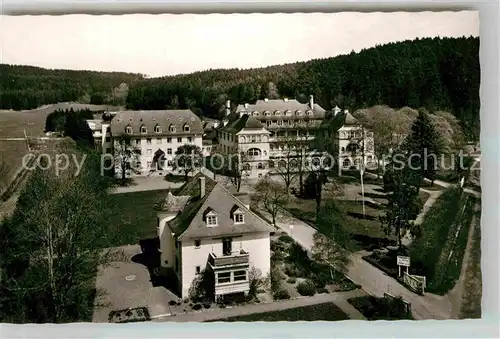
(346, 111)
(266, 99)
(285, 99)
(246, 105)
(311, 101)
(336, 110)
(202, 186)
(228, 107)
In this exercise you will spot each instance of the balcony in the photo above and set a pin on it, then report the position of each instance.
(236, 258)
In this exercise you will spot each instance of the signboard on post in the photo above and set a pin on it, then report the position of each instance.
(403, 261)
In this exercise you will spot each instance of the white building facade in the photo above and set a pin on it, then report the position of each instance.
(207, 230)
(154, 136)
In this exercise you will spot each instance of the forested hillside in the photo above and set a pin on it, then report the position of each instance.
(438, 74)
(27, 87)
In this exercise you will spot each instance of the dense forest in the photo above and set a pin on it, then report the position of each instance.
(27, 87)
(435, 73)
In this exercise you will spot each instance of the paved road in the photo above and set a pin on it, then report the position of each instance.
(373, 280)
(338, 298)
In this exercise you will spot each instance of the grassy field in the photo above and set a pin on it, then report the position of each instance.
(13, 123)
(321, 312)
(135, 218)
(11, 152)
(438, 253)
(378, 309)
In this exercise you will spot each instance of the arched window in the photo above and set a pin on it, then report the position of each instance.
(253, 152)
(265, 153)
(157, 129)
(242, 139)
(247, 167)
(346, 163)
(144, 129)
(266, 113)
(128, 130)
(282, 163)
(309, 113)
(256, 113)
(186, 128)
(260, 166)
(298, 113)
(356, 162)
(343, 149)
(277, 113)
(254, 138)
(288, 113)
(316, 162)
(294, 163)
(271, 164)
(171, 128)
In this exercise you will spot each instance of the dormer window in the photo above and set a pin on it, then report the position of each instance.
(256, 113)
(237, 215)
(144, 130)
(186, 128)
(299, 113)
(128, 130)
(211, 218)
(309, 113)
(157, 129)
(288, 113)
(266, 113)
(171, 128)
(277, 113)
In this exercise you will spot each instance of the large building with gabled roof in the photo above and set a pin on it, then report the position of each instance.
(154, 135)
(205, 229)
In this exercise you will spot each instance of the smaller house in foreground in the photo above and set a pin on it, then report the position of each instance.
(206, 229)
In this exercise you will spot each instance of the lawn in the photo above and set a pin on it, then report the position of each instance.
(11, 152)
(374, 308)
(135, 218)
(319, 312)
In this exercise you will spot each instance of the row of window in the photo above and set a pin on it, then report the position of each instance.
(278, 113)
(212, 217)
(227, 277)
(149, 141)
(355, 134)
(285, 123)
(157, 129)
(253, 138)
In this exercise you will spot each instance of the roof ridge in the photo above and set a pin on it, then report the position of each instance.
(248, 209)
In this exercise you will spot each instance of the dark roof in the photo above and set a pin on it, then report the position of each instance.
(282, 106)
(245, 121)
(150, 119)
(190, 222)
(339, 120)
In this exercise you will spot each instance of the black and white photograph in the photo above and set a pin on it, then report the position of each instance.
(240, 167)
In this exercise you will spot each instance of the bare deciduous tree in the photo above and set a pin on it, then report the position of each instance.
(272, 196)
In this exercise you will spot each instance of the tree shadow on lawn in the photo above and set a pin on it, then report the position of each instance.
(151, 258)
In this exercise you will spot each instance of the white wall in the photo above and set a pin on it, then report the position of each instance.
(167, 241)
(162, 142)
(257, 245)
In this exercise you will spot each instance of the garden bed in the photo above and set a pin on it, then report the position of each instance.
(319, 312)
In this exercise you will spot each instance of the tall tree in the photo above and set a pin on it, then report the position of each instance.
(272, 196)
(423, 146)
(187, 159)
(403, 204)
(126, 155)
(53, 243)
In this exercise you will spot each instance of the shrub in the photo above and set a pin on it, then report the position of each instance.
(172, 302)
(276, 277)
(286, 239)
(322, 290)
(281, 294)
(261, 290)
(197, 307)
(255, 281)
(292, 280)
(207, 305)
(290, 270)
(306, 288)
